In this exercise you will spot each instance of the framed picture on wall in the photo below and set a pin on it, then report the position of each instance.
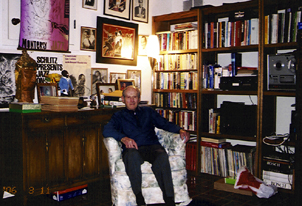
(117, 42)
(140, 10)
(98, 75)
(136, 76)
(47, 89)
(123, 83)
(115, 76)
(88, 41)
(117, 8)
(90, 4)
(142, 45)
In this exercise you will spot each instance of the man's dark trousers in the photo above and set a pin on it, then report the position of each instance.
(157, 156)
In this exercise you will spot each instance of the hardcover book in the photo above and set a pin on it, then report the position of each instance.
(24, 107)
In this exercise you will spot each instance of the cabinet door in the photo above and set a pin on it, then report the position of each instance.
(91, 157)
(74, 149)
(36, 160)
(45, 159)
(55, 157)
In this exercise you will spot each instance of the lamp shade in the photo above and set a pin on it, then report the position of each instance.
(153, 47)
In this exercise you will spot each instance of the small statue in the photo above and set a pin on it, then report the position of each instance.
(25, 75)
(65, 84)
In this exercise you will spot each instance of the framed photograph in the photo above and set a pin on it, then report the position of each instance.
(115, 76)
(90, 4)
(88, 40)
(123, 83)
(140, 10)
(136, 76)
(117, 8)
(117, 42)
(142, 45)
(98, 75)
(47, 89)
(102, 88)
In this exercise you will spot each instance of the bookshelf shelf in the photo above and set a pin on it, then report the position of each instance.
(225, 92)
(175, 90)
(232, 49)
(179, 51)
(226, 136)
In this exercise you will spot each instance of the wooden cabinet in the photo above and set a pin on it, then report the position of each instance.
(48, 151)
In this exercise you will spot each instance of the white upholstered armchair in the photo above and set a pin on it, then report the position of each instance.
(121, 192)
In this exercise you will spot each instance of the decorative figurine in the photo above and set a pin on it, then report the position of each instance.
(25, 75)
(65, 84)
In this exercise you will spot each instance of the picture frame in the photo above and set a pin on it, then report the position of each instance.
(142, 45)
(90, 4)
(123, 83)
(120, 9)
(105, 87)
(140, 10)
(88, 38)
(110, 34)
(136, 76)
(115, 76)
(98, 75)
(47, 89)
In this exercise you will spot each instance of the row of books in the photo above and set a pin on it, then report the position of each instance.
(219, 157)
(176, 80)
(178, 40)
(176, 100)
(184, 118)
(281, 26)
(225, 160)
(225, 33)
(178, 62)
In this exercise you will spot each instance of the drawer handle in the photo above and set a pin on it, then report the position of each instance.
(46, 119)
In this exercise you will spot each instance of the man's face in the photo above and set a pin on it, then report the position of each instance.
(131, 99)
(140, 3)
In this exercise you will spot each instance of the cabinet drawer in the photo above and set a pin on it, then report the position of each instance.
(44, 121)
(87, 118)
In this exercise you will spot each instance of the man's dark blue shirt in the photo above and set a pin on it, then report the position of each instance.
(138, 125)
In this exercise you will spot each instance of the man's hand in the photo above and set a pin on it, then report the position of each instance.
(129, 143)
(184, 135)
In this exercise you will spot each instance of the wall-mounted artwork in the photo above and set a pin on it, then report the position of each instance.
(136, 76)
(90, 4)
(142, 45)
(140, 10)
(117, 42)
(115, 76)
(98, 75)
(44, 25)
(88, 41)
(7, 78)
(117, 8)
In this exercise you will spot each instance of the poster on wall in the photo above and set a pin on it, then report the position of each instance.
(44, 25)
(79, 69)
(7, 78)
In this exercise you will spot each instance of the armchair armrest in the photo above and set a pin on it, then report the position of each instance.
(114, 152)
(172, 142)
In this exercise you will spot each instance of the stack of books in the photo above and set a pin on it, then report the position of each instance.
(24, 107)
(59, 104)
